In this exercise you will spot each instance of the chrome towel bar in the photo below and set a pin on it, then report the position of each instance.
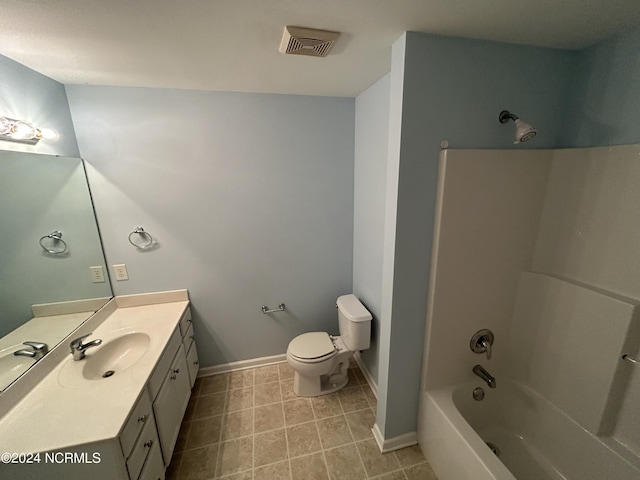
(280, 308)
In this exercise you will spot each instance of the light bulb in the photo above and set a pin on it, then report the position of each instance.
(23, 131)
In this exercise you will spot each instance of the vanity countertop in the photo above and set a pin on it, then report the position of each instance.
(57, 414)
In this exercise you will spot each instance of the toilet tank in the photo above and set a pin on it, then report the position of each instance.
(354, 321)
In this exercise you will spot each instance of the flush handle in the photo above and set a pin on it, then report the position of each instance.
(482, 341)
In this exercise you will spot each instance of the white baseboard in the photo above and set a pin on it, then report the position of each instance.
(242, 365)
(367, 375)
(394, 443)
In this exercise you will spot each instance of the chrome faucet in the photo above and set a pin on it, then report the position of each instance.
(39, 349)
(78, 348)
(484, 375)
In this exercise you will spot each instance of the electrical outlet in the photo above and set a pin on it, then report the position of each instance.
(97, 274)
(121, 272)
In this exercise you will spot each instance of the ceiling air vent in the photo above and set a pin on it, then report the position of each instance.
(306, 41)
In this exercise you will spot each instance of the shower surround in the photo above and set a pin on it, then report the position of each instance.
(541, 247)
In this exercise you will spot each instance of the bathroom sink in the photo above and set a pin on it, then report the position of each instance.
(108, 360)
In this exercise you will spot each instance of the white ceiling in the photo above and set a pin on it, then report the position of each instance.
(232, 45)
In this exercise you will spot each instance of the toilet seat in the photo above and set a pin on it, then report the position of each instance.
(312, 347)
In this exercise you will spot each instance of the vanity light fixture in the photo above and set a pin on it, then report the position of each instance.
(13, 130)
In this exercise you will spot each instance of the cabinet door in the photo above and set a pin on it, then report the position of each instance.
(192, 363)
(153, 467)
(171, 403)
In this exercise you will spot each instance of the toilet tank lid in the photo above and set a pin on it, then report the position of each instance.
(351, 308)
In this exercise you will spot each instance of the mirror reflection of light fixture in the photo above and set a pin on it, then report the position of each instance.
(13, 130)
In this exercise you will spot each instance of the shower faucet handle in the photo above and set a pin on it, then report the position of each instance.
(482, 341)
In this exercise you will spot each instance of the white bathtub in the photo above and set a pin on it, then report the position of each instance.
(536, 440)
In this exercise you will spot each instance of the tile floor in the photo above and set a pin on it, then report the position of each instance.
(249, 425)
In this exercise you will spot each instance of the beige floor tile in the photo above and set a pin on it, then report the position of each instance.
(344, 463)
(269, 447)
(210, 405)
(361, 423)
(199, 464)
(286, 387)
(213, 384)
(266, 374)
(326, 406)
(248, 475)
(241, 379)
(410, 456)
(297, 411)
(420, 472)
(267, 393)
(286, 371)
(376, 463)
(173, 469)
(275, 471)
(334, 432)
(310, 467)
(237, 424)
(268, 417)
(204, 431)
(352, 399)
(303, 439)
(239, 399)
(181, 442)
(399, 475)
(235, 456)
(371, 398)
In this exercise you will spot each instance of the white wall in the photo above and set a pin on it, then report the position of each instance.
(489, 205)
(370, 180)
(249, 196)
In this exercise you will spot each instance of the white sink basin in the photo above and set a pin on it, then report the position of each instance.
(106, 361)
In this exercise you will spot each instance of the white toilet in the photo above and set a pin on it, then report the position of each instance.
(321, 360)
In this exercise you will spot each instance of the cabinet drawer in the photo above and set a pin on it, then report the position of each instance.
(148, 439)
(185, 322)
(160, 372)
(192, 362)
(141, 415)
(153, 468)
(188, 338)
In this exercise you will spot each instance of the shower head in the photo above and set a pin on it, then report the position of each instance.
(524, 131)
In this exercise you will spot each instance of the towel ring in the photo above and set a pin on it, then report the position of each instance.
(56, 236)
(140, 231)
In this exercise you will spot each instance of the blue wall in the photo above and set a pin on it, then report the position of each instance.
(606, 102)
(451, 89)
(28, 95)
(249, 196)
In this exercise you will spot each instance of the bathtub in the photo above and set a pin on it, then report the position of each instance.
(536, 441)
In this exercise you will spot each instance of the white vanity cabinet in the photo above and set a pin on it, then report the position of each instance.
(122, 428)
(170, 389)
(189, 344)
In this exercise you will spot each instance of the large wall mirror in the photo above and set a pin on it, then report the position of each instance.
(49, 240)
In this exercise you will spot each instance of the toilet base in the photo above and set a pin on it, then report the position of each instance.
(314, 386)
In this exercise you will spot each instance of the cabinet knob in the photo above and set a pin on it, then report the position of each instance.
(173, 377)
(148, 443)
(196, 362)
(143, 418)
(177, 370)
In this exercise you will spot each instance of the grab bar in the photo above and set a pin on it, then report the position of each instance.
(629, 359)
(280, 308)
(56, 236)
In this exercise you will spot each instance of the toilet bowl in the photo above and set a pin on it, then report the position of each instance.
(321, 361)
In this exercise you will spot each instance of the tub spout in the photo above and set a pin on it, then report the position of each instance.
(484, 375)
